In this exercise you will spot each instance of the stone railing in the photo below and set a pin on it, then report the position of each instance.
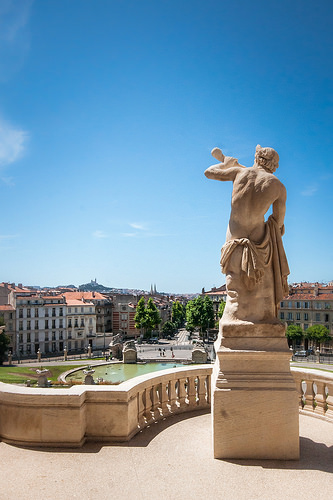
(108, 413)
(69, 417)
(315, 389)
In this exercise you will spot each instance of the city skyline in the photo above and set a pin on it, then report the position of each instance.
(108, 114)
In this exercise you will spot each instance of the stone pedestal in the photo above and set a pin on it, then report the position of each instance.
(254, 400)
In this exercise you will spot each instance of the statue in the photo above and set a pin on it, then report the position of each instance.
(253, 257)
(254, 397)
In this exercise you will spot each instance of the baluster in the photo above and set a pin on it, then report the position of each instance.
(191, 392)
(148, 406)
(182, 394)
(155, 403)
(202, 391)
(163, 396)
(172, 390)
(208, 389)
(141, 409)
(303, 393)
(329, 400)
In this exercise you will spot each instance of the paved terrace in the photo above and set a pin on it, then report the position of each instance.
(172, 459)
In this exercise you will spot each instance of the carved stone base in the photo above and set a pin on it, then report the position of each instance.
(254, 399)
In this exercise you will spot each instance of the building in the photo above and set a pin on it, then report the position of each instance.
(8, 314)
(217, 295)
(309, 304)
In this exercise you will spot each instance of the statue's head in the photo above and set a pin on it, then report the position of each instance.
(266, 158)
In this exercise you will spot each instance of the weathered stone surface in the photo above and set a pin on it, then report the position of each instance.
(254, 399)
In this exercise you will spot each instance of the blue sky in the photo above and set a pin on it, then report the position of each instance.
(109, 110)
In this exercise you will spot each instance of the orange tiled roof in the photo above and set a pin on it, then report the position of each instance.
(7, 307)
(303, 296)
(84, 295)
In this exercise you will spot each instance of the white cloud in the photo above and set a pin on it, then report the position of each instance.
(99, 234)
(139, 226)
(12, 143)
(129, 235)
(310, 190)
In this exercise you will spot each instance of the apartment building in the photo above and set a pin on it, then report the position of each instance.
(40, 323)
(309, 304)
(217, 295)
(8, 314)
(81, 324)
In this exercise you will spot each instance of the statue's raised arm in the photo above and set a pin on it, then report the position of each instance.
(226, 170)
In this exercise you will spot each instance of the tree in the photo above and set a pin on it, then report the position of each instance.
(140, 317)
(178, 314)
(200, 314)
(295, 334)
(318, 333)
(221, 309)
(153, 318)
(4, 341)
(169, 328)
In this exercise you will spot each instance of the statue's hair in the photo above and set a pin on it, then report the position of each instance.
(267, 158)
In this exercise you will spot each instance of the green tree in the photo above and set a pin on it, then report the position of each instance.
(294, 334)
(318, 333)
(221, 309)
(178, 314)
(200, 314)
(169, 328)
(4, 342)
(140, 317)
(153, 318)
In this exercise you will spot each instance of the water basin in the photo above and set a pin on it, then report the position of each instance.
(119, 372)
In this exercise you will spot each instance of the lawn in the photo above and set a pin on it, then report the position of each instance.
(20, 374)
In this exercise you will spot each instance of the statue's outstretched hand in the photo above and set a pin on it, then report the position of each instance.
(217, 154)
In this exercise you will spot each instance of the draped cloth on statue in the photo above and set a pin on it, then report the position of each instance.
(258, 256)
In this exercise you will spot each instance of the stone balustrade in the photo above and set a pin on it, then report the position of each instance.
(108, 413)
(113, 413)
(315, 389)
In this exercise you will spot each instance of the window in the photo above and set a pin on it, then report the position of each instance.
(306, 326)
(298, 316)
(306, 305)
(90, 321)
(36, 312)
(28, 337)
(21, 338)
(46, 324)
(46, 337)
(290, 316)
(76, 310)
(36, 324)
(69, 323)
(53, 323)
(28, 325)
(60, 336)
(69, 310)
(28, 313)
(306, 316)
(82, 310)
(36, 337)
(327, 318)
(53, 336)
(21, 325)
(76, 324)
(21, 313)
(61, 311)
(290, 304)
(282, 304)
(46, 313)
(61, 323)
(298, 305)
(281, 315)
(317, 316)
(53, 311)
(82, 323)
(327, 306)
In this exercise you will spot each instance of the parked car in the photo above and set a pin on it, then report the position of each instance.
(301, 354)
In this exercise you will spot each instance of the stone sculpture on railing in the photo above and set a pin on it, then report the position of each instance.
(252, 351)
